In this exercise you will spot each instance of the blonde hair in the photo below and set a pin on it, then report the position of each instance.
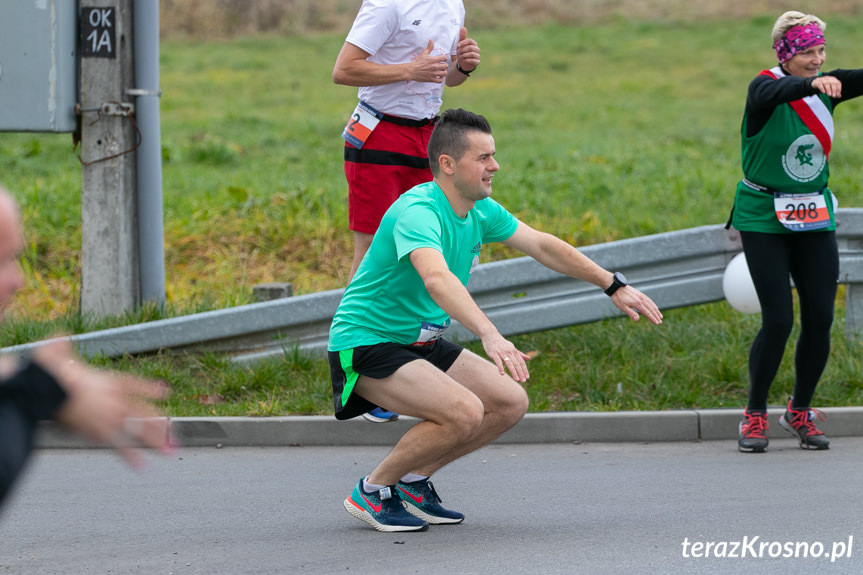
(791, 19)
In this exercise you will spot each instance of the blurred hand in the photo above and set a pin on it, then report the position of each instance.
(107, 406)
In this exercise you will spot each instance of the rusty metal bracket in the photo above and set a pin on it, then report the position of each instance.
(107, 109)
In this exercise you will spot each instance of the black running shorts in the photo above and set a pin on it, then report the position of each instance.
(377, 362)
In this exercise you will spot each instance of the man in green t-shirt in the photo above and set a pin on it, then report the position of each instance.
(386, 347)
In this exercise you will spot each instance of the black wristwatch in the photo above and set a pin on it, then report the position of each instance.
(618, 282)
(463, 71)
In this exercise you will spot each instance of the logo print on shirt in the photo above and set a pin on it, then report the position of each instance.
(477, 248)
(805, 159)
(416, 22)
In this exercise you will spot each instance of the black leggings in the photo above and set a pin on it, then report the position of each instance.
(812, 261)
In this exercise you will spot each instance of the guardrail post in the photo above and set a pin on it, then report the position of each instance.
(849, 235)
(853, 310)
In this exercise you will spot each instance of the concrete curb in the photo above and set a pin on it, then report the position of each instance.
(556, 427)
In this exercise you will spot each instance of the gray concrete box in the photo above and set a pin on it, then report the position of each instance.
(38, 74)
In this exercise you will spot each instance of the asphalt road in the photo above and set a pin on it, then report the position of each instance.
(549, 508)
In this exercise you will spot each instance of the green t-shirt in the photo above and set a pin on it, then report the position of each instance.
(387, 301)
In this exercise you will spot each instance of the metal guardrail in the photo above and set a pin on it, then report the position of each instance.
(676, 269)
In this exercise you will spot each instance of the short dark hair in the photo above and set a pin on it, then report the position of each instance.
(450, 135)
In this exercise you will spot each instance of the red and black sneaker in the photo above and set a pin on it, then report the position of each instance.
(801, 424)
(752, 431)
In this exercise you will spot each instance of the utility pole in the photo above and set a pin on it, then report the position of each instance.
(151, 236)
(110, 282)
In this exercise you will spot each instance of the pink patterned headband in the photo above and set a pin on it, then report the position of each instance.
(798, 39)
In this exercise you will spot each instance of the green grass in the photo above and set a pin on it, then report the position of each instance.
(696, 359)
(603, 132)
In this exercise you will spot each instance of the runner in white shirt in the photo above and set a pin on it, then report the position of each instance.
(400, 54)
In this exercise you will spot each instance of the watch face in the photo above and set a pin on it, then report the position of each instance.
(620, 278)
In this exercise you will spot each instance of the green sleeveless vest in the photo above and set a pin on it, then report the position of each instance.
(784, 156)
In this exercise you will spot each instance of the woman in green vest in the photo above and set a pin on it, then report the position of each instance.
(784, 212)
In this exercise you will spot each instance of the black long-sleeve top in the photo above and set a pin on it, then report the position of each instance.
(25, 398)
(765, 94)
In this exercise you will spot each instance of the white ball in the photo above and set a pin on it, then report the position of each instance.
(738, 287)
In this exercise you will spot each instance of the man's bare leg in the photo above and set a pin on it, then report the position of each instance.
(504, 400)
(458, 416)
(361, 246)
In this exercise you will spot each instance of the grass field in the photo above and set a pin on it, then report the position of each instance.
(614, 130)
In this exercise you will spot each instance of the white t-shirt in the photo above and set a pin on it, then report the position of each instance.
(395, 32)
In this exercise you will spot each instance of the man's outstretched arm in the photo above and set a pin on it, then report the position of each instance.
(558, 255)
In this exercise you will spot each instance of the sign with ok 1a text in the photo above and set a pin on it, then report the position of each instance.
(98, 36)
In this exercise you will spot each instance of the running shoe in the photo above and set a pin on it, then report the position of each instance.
(421, 500)
(379, 415)
(801, 424)
(752, 431)
(382, 510)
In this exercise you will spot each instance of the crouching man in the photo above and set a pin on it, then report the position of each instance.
(386, 347)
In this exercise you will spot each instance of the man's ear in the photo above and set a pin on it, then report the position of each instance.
(447, 164)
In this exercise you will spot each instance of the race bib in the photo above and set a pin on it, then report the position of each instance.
(429, 333)
(361, 124)
(802, 212)
(474, 264)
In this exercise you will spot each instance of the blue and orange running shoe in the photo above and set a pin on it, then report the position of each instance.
(382, 510)
(421, 500)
